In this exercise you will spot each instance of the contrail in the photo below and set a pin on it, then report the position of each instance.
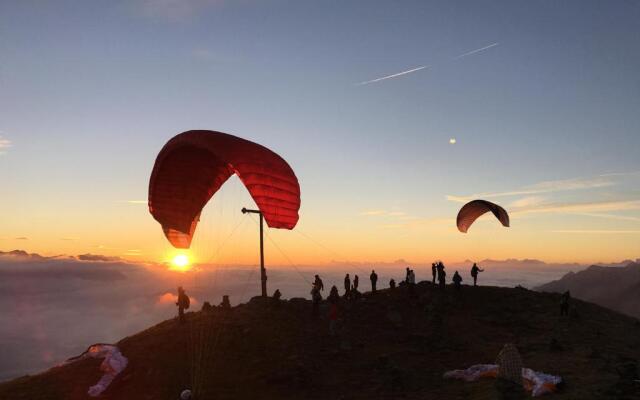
(476, 51)
(393, 76)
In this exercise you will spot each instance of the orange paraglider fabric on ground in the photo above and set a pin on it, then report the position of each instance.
(537, 383)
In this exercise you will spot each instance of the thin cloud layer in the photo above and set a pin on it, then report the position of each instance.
(394, 75)
(476, 51)
(416, 69)
(543, 187)
(598, 232)
(606, 196)
(102, 299)
(4, 144)
(133, 201)
(582, 208)
(97, 257)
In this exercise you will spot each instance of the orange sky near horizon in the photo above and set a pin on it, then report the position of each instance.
(225, 236)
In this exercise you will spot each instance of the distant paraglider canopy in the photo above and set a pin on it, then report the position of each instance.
(193, 165)
(474, 209)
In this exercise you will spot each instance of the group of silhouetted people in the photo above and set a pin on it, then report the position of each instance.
(438, 273)
(351, 290)
(351, 286)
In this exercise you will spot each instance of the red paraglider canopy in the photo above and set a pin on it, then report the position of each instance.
(474, 209)
(193, 165)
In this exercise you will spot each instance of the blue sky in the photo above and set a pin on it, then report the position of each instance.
(90, 91)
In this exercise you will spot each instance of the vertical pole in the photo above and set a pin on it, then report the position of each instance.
(263, 271)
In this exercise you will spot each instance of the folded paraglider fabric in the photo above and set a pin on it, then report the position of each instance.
(114, 363)
(537, 382)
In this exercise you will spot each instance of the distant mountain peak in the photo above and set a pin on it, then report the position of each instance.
(20, 254)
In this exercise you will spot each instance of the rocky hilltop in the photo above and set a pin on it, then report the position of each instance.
(389, 345)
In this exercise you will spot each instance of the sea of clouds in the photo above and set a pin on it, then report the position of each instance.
(52, 308)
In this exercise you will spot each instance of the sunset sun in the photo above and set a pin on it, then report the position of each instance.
(180, 262)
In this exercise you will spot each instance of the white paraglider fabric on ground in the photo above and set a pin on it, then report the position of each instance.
(114, 363)
(537, 382)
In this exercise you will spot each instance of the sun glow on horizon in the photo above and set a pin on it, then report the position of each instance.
(181, 262)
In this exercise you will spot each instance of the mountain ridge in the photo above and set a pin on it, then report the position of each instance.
(389, 344)
(612, 287)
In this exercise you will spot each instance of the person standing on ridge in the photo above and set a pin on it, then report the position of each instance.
(441, 275)
(318, 283)
(226, 304)
(457, 280)
(333, 295)
(474, 273)
(182, 303)
(316, 297)
(347, 285)
(407, 278)
(434, 271)
(356, 281)
(374, 280)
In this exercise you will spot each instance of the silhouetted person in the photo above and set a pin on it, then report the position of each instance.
(356, 281)
(318, 282)
(347, 285)
(441, 274)
(392, 283)
(182, 303)
(457, 280)
(442, 278)
(474, 273)
(225, 302)
(565, 302)
(374, 280)
(333, 295)
(407, 278)
(277, 295)
(434, 272)
(316, 297)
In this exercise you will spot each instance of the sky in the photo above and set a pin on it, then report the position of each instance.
(541, 98)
